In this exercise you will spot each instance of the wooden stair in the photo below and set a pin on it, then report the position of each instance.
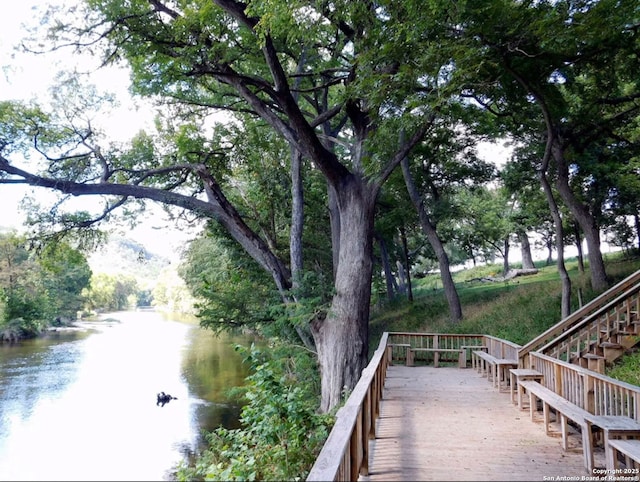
(610, 346)
(597, 334)
(592, 362)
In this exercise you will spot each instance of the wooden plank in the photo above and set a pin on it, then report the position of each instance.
(629, 448)
(449, 424)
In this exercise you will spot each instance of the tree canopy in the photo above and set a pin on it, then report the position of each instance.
(284, 122)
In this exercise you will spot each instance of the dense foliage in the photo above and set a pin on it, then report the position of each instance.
(38, 288)
(282, 431)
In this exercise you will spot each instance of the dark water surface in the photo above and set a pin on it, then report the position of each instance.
(82, 405)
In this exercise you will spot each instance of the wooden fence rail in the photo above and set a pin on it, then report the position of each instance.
(614, 304)
(596, 393)
(345, 454)
(500, 348)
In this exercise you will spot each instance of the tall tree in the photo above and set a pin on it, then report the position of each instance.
(362, 81)
(573, 60)
(39, 287)
(445, 162)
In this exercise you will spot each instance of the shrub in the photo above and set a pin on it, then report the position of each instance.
(281, 433)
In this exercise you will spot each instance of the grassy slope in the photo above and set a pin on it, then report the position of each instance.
(517, 310)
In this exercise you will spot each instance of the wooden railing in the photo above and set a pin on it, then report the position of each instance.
(501, 348)
(399, 340)
(602, 307)
(613, 318)
(494, 346)
(435, 340)
(345, 454)
(596, 393)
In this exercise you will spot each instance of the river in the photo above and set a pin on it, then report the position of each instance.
(81, 405)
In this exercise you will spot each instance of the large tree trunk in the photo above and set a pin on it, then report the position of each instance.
(525, 250)
(342, 338)
(565, 308)
(587, 221)
(455, 308)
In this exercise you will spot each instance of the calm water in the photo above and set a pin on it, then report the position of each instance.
(82, 405)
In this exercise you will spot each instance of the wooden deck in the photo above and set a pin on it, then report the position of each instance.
(451, 424)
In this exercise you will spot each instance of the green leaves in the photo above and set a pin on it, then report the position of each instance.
(37, 287)
(231, 291)
(281, 432)
(19, 124)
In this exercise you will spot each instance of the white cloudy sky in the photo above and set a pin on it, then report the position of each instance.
(28, 76)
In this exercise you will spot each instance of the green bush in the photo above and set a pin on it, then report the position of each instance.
(282, 432)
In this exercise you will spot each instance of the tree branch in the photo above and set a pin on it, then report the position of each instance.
(217, 207)
(405, 149)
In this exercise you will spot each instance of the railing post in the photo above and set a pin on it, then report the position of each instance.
(372, 402)
(356, 447)
(589, 395)
(369, 422)
(558, 376)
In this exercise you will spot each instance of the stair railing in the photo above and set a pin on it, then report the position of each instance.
(626, 288)
(597, 327)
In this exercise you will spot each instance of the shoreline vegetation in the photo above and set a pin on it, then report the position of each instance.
(16, 330)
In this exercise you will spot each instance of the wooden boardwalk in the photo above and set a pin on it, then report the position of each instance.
(451, 424)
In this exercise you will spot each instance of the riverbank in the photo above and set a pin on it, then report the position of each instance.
(16, 330)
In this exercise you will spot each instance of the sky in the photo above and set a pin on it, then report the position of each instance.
(28, 76)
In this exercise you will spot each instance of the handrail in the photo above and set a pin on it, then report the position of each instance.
(345, 454)
(501, 348)
(577, 316)
(603, 312)
(592, 391)
(435, 340)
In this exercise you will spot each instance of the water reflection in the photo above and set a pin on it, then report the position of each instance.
(83, 406)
